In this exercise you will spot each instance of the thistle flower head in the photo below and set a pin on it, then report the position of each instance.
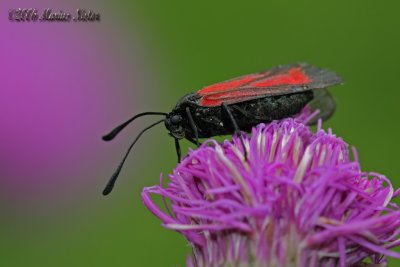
(298, 200)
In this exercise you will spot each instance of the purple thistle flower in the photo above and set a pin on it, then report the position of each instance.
(299, 200)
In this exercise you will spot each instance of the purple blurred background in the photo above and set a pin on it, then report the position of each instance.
(63, 85)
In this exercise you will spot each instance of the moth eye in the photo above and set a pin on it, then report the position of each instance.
(176, 119)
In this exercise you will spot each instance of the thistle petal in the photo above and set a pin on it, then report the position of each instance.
(299, 200)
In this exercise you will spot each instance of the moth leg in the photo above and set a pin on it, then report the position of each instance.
(178, 149)
(191, 140)
(193, 126)
(235, 126)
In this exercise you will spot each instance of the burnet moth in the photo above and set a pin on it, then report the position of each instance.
(238, 104)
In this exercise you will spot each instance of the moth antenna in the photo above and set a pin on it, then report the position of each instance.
(110, 136)
(110, 184)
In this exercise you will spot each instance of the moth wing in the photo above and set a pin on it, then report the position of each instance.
(280, 80)
(325, 103)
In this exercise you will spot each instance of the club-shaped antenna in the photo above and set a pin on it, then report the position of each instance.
(110, 136)
(110, 185)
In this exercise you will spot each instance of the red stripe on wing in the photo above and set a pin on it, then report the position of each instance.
(217, 99)
(294, 76)
(220, 87)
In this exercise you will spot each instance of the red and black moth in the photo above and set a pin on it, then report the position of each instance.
(237, 105)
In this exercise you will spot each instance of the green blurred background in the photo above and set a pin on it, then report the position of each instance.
(180, 46)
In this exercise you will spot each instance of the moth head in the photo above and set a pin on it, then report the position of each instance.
(174, 123)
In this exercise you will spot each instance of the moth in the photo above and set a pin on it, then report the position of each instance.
(238, 104)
